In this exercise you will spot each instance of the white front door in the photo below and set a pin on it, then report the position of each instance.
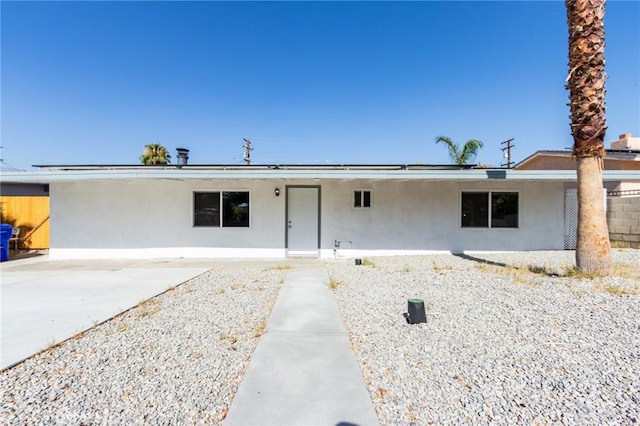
(303, 221)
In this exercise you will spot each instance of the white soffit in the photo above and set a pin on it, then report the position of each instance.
(53, 175)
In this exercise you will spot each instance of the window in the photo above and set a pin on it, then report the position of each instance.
(225, 208)
(362, 199)
(504, 209)
(489, 209)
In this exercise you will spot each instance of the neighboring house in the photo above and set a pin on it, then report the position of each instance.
(624, 154)
(623, 196)
(26, 206)
(278, 211)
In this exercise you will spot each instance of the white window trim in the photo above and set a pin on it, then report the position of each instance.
(489, 227)
(353, 199)
(202, 191)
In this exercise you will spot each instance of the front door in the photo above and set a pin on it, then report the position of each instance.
(303, 220)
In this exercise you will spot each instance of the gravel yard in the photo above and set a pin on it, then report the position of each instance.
(502, 345)
(176, 359)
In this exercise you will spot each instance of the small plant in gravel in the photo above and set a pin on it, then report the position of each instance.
(484, 267)
(333, 283)
(626, 270)
(542, 270)
(439, 268)
(124, 326)
(520, 274)
(149, 307)
(368, 262)
(259, 329)
(231, 339)
(574, 272)
(237, 285)
(617, 291)
(280, 267)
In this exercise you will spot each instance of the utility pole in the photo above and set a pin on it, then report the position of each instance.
(247, 151)
(507, 152)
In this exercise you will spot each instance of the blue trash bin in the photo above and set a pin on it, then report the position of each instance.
(5, 236)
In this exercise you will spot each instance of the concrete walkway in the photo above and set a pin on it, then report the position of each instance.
(303, 371)
(46, 302)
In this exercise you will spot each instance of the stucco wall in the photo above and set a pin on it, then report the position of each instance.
(426, 216)
(158, 214)
(623, 218)
(154, 218)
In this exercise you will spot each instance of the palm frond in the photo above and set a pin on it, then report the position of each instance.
(470, 150)
(454, 151)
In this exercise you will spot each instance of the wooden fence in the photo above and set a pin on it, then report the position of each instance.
(31, 215)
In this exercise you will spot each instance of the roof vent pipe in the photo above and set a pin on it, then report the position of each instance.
(183, 157)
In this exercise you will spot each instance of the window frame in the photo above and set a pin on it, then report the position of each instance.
(220, 193)
(489, 193)
(361, 207)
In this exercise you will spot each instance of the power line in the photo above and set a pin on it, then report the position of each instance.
(507, 152)
(247, 151)
(4, 165)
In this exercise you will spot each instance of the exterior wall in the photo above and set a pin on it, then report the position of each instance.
(567, 162)
(628, 186)
(419, 216)
(154, 218)
(549, 162)
(630, 165)
(623, 218)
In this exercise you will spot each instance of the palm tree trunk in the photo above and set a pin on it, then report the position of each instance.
(588, 126)
(593, 250)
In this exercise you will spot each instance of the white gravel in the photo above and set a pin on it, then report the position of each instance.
(501, 345)
(177, 359)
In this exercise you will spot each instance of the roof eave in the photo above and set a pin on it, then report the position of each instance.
(52, 176)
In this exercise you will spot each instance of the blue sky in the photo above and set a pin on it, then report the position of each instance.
(307, 82)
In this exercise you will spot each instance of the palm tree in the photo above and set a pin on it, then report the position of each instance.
(464, 155)
(155, 154)
(586, 92)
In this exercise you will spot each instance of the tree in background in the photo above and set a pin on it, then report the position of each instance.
(155, 154)
(585, 82)
(461, 156)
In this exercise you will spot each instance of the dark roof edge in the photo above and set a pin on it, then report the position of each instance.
(265, 166)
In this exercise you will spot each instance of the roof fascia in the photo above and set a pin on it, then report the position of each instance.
(50, 176)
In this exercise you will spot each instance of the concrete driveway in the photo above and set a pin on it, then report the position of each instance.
(48, 301)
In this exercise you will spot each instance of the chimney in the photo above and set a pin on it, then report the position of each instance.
(627, 142)
(183, 157)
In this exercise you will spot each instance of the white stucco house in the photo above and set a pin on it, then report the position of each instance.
(276, 211)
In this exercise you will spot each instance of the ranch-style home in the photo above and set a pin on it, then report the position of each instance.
(278, 211)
